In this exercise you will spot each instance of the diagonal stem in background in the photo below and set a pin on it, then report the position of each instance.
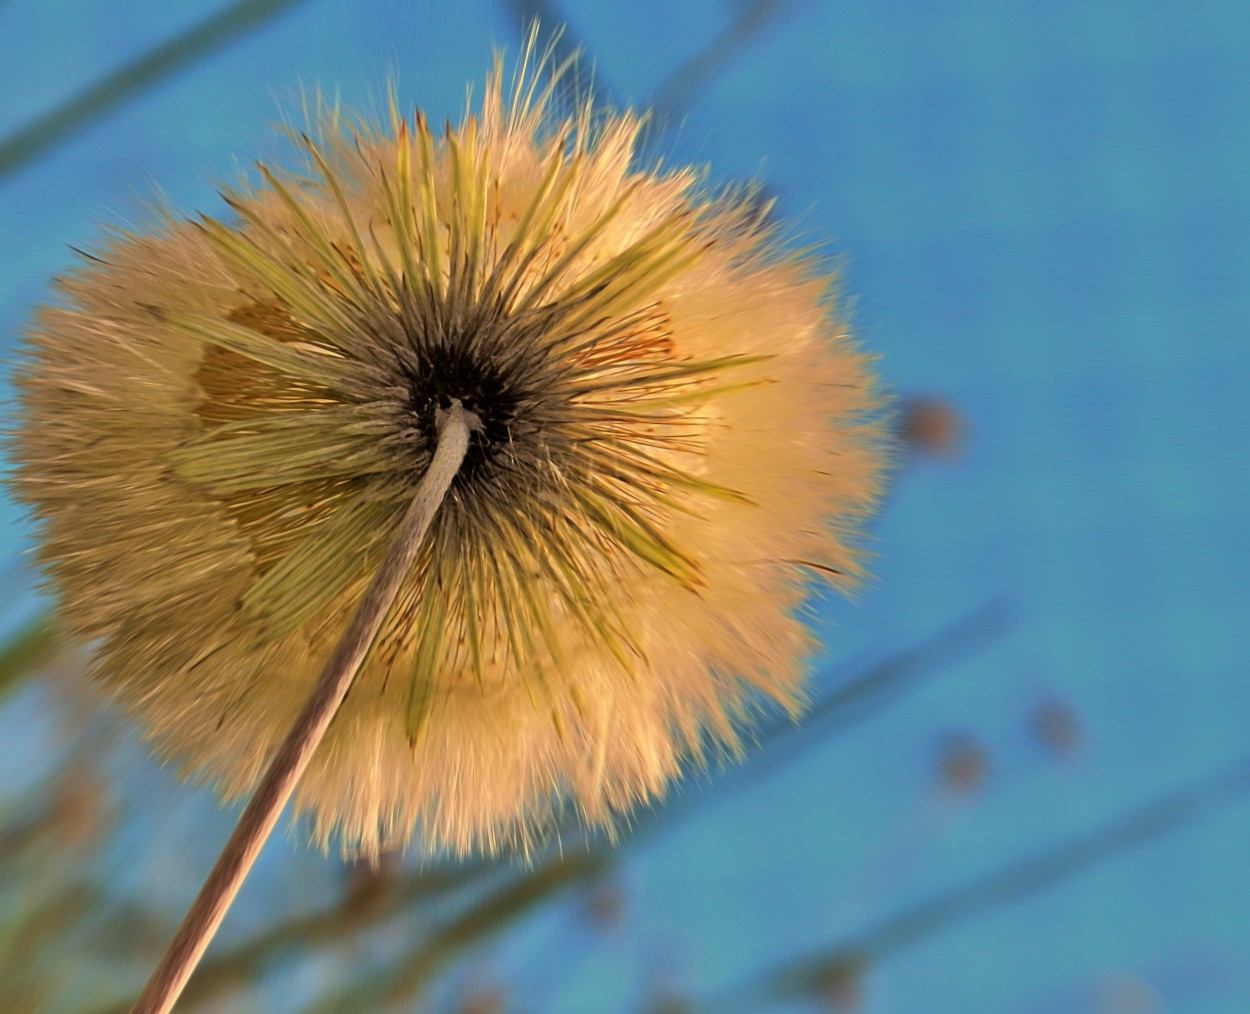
(488, 898)
(45, 132)
(807, 977)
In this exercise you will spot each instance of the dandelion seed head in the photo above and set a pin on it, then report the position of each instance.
(225, 420)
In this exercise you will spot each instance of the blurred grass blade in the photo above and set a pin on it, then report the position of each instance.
(810, 976)
(28, 651)
(28, 143)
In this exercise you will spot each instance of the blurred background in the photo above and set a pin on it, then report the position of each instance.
(1025, 782)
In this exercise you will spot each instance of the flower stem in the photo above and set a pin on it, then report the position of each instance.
(209, 908)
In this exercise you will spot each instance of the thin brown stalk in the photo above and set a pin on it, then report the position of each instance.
(262, 812)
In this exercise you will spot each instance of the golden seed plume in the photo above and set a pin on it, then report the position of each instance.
(225, 420)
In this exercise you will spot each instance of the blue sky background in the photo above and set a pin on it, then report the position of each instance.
(1044, 210)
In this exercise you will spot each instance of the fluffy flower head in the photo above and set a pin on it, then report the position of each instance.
(225, 420)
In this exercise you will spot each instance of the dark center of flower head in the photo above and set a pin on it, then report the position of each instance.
(451, 371)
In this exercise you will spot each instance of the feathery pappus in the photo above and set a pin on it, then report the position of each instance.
(224, 420)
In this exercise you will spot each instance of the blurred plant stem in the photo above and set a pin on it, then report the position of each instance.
(41, 135)
(406, 978)
(28, 651)
(811, 976)
(488, 896)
